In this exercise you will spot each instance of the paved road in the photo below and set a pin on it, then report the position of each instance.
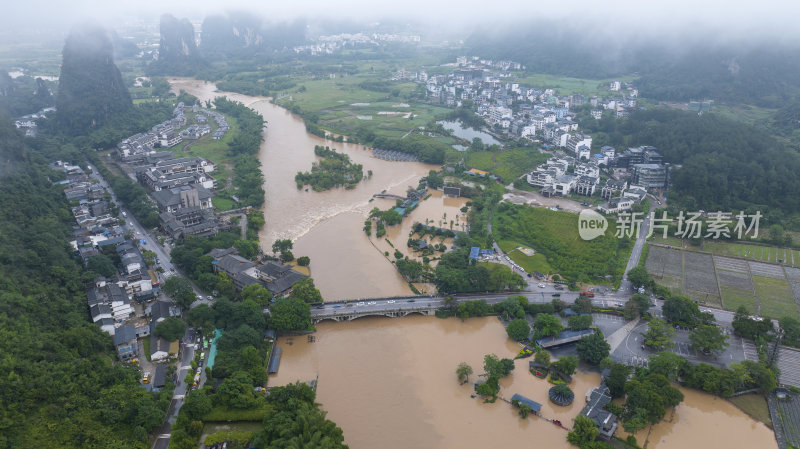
(636, 254)
(187, 350)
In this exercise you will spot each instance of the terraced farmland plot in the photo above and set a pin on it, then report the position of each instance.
(700, 274)
(733, 298)
(775, 296)
(793, 274)
(663, 261)
(735, 279)
(727, 263)
(766, 270)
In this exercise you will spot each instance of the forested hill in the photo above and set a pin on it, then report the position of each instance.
(752, 72)
(91, 91)
(727, 165)
(60, 385)
(177, 51)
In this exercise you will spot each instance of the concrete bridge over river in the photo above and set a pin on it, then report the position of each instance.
(400, 306)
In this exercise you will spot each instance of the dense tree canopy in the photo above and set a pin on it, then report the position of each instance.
(58, 385)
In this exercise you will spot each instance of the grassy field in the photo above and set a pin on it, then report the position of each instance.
(775, 296)
(537, 262)
(566, 85)
(340, 101)
(752, 115)
(554, 235)
(513, 163)
(482, 160)
(736, 297)
(508, 164)
(755, 405)
(214, 150)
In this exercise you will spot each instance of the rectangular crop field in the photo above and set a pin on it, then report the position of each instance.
(734, 297)
(700, 274)
(775, 296)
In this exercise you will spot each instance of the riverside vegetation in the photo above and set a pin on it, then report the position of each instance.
(332, 170)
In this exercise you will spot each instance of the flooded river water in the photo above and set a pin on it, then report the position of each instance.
(391, 383)
(326, 226)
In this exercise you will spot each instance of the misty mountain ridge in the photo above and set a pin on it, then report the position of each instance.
(680, 68)
(91, 91)
(177, 51)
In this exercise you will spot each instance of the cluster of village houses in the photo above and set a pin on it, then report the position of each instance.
(129, 305)
(181, 187)
(620, 178)
(123, 305)
(632, 173)
(329, 44)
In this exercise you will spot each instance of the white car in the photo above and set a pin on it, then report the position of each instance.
(361, 303)
(391, 301)
(541, 285)
(371, 303)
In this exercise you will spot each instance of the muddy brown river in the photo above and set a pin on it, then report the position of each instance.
(326, 226)
(390, 382)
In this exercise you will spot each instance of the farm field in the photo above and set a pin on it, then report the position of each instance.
(718, 281)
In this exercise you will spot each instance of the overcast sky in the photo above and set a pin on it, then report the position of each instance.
(775, 18)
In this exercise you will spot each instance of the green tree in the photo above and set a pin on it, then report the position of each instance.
(524, 410)
(668, 364)
(225, 287)
(593, 348)
(518, 329)
(236, 392)
(288, 314)
(584, 431)
(174, 285)
(631, 310)
(463, 371)
(542, 356)
(582, 305)
(636, 422)
(247, 248)
(280, 246)
(708, 339)
(566, 364)
(639, 277)
(306, 291)
(286, 256)
(681, 310)
(170, 329)
(579, 322)
(659, 334)
(201, 316)
(256, 293)
(547, 325)
(185, 299)
(617, 378)
(303, 261)
(101, 265)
